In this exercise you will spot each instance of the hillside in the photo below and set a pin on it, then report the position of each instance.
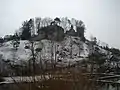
(71, 49)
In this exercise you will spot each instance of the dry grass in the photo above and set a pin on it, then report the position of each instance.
(59, 81)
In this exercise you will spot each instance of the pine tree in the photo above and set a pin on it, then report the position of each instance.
(1, 41)
(27, 27)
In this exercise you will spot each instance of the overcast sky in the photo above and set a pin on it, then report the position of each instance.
(101, 17)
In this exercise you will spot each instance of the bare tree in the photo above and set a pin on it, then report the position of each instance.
(65, 23)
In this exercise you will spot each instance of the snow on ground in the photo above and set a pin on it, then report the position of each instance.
(8, 53)
(23, 79)
(71, 49)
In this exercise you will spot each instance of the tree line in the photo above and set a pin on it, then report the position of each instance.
(31, 27)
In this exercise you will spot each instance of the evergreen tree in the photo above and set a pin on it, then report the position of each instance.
(1, 41)
(80, 27)
(57, 20)
(27, 28)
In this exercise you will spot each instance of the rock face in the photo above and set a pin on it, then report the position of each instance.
(52, 32)
(70, 48)
(68, 51)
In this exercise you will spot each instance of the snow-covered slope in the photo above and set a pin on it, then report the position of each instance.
(7, 52)
(71, 49)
